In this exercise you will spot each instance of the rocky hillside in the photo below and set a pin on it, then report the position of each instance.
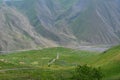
(85, 21)
(38, 23)
(16, 32)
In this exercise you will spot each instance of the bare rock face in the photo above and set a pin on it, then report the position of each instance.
(49, 23)
(97, 21)
(83, 21)
(16, 31)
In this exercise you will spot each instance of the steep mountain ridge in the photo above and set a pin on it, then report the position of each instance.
(93, 22)
(67, 22)
(16, 32)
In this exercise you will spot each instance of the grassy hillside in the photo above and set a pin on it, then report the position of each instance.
(40, 58)
(34, 64)
(110, 62)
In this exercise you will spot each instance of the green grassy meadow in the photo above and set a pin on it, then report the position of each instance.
(33, 65)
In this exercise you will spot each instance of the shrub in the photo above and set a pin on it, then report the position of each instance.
(87, 73)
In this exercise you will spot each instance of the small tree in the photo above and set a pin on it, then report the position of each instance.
(87, 73)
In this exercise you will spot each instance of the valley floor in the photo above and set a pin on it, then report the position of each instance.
(33, 65)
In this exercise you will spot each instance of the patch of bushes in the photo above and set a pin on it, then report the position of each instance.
(87, 73)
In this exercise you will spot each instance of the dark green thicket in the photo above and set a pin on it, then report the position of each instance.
(87, 73)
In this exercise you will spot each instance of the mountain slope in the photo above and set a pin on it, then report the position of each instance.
(109, 60)
(16, 32)
(94, 22)
(80, 21)
(69, 23)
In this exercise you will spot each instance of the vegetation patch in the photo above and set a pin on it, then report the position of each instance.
(33, 65)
